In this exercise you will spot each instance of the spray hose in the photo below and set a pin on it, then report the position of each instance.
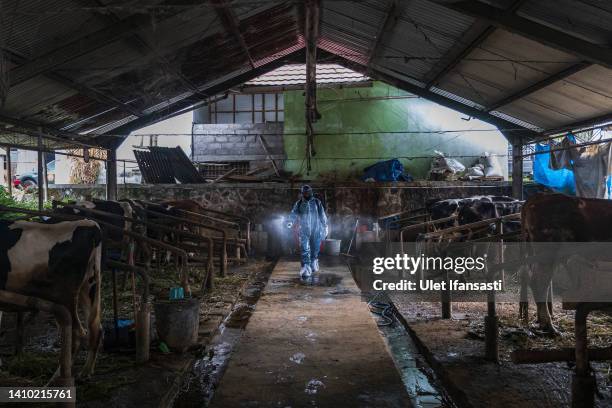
(384, 309)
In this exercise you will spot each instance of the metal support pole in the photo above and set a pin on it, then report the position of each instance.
(445, 296)
(111, 175)
(41, 174)
(491, 319)
(9, 171)
(517, 168)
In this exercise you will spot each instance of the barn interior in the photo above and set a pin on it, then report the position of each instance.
(161, 160)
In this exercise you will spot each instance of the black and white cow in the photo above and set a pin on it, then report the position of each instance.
(474, 209)
(58, 261)
(119, 208)
(121, 245)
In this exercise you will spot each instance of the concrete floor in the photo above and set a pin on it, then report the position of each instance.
(311, 344)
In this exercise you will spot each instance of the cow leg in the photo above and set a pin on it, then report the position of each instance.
(20, 334)
(0, 332)
(549, 301)
(90, 302)
(524, 295)
(540, 286)
(90, 297)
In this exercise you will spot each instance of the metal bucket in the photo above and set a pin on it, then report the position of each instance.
(331, 247)
(178, 322)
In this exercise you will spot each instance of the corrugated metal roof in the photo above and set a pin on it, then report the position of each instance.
(295, 74)
(182, 49)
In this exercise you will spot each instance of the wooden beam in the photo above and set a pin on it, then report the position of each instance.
(391, 19)
(122, 29)
(473, 38)
(34, 129)
(312, 38)
(546, 35)
(189, 103)
(539, 85)
(232, 26)
(311, 114)
(80, 88)
(111, 175)
(81, 46)
(598, 120)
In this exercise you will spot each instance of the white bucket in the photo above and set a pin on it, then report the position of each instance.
(331, 247)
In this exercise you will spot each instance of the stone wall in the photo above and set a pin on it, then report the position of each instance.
(267, 203)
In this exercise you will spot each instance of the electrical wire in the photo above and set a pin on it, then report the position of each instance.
(364, 133)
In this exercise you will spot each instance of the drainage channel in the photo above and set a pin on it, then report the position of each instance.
(197, 389)
(424, 389)
(419, 379)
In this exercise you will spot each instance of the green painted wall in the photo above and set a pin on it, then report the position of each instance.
(372, 111)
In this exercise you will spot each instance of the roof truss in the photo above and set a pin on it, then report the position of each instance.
(232, 26)
(476, 35)
(391, 19)
(191, 103)
(551, 37)
(559, 76)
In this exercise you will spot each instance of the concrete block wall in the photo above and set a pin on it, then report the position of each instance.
(237, 142)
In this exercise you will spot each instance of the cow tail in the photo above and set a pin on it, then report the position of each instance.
(97, 274)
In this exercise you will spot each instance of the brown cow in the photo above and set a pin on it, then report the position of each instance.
(560, 218)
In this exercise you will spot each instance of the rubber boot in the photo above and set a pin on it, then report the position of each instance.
(314, 265)
(305, 272)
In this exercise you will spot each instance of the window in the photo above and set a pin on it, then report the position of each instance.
(248, 108)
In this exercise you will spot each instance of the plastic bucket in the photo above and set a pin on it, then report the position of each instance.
(332, 247)
(178, 322)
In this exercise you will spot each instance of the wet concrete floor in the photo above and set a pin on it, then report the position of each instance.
(311, 343)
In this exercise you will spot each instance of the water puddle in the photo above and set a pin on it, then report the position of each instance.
(198, 387)
(321, 279)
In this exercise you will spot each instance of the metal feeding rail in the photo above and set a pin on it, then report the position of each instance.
(236, 220)
(467, 235)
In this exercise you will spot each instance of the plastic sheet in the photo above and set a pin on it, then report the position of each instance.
(388, 170)
(561, 180)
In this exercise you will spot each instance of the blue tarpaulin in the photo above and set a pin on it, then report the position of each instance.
(388, 170)
(561, 180)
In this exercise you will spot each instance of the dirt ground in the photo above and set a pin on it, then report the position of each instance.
(455, 349)
(118, 380)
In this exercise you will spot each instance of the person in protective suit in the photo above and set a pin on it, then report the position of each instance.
(313, 228)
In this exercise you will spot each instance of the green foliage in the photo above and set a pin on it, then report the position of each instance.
(29, 203)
